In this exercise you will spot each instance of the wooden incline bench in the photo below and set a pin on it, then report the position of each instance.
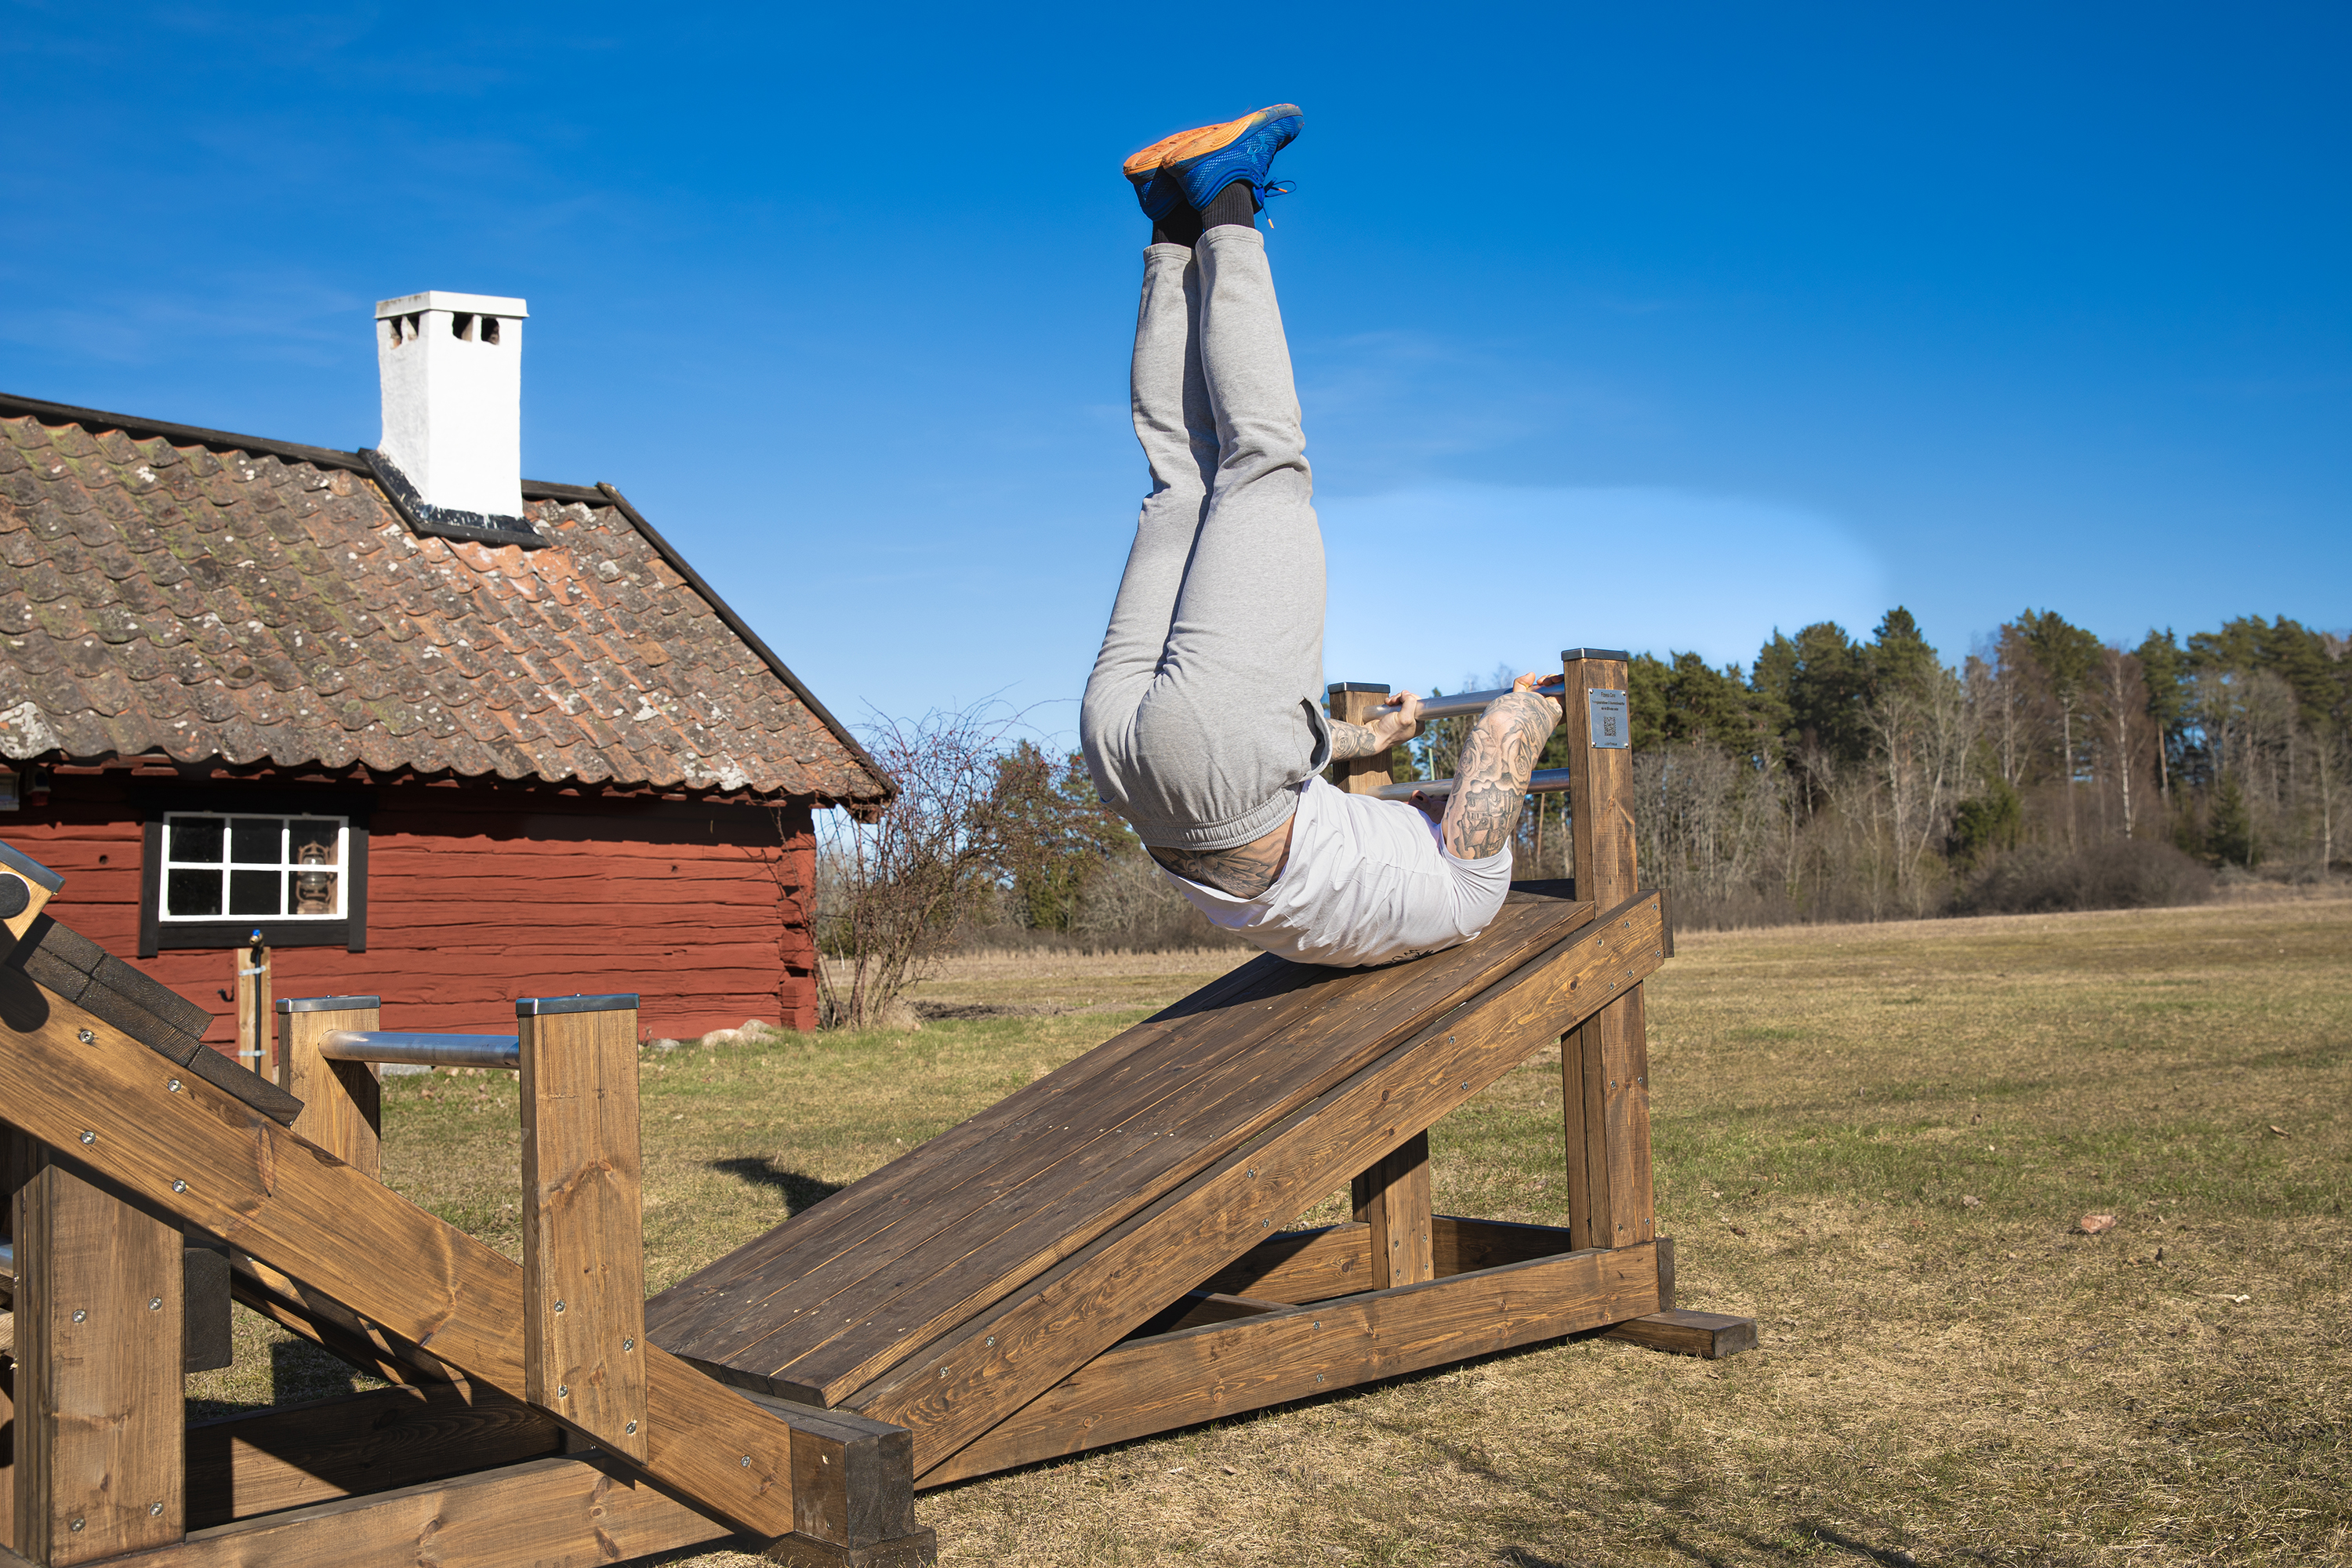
(1102, 1256)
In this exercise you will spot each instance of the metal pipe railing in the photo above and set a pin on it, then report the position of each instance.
(422, 1051)
(1543, 781)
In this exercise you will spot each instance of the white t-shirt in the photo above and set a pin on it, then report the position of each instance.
(1368, 881)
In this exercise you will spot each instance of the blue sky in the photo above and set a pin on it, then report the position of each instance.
(1654, 327)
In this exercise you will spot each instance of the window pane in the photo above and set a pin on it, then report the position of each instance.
(310, 892)
(194, 892)
(312, 843)
(194, 838)
(256, 841)
(253, 893)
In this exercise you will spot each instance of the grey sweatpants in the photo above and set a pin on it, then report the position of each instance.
(1202, 711)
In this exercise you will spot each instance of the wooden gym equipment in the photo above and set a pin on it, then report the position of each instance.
(1100, 1256)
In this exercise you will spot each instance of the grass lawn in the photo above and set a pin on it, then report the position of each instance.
(1878, 1140)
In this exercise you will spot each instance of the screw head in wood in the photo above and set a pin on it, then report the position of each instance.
(82, 1314)
(88, 1137)
(179, 1186)
(991, 1338)
(85, 1036)
(154, 1511)
(559, 1306)
(746, 1458)
(630, 1430)
(628, 1344)
(75, 1525)
(562, 1390)
(154, 1303)
(173, 1086)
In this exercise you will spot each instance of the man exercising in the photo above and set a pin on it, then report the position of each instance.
(1201, 724)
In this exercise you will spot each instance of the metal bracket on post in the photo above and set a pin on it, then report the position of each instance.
(583, 1245)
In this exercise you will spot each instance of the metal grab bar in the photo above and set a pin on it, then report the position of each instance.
(422, 1051)
(1543, 781)
(1462, 702)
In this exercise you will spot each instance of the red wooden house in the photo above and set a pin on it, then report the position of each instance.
(432, 742)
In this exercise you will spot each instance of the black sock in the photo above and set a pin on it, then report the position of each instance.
(1180, 227)
(1234, 206)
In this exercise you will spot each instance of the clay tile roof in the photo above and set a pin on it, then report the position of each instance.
(204, 595)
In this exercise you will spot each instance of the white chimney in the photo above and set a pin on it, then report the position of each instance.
(452, 369)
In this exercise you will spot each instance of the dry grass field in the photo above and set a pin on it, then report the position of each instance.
(1876, 1140)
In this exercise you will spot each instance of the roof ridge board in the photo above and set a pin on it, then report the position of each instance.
(750, 638)
(328, 457)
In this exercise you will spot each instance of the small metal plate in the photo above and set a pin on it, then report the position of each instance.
(1613, 726)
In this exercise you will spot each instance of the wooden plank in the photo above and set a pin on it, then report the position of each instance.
(275, 1196)
(1466, 1245)
(1300, 1266)
(99, 1346)
(1161, 1111)
(1205, 1375)
(207, 1341)
(1708, 1335)
(968, 1380)
(583, 1266)
(8, 1449)
(1604, 1065)
(1392, 1199)
(562, 1512)
(1354, 703)
(342, 1102)
(270, 1460)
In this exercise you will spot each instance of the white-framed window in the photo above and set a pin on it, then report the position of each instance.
(230, 866)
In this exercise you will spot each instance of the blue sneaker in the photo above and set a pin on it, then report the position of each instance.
(1155, 188)
(1216, 156)
(1204, 161)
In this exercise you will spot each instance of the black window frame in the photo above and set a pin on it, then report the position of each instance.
(159, 935)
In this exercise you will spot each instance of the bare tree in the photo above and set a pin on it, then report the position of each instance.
(896, 889)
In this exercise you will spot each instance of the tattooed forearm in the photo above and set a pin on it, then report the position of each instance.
(1491, 779)
(1244, 871)
(1352, 741)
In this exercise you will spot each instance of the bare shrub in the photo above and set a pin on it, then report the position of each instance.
(2115, 874)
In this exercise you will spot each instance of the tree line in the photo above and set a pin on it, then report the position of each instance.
(1831, 778)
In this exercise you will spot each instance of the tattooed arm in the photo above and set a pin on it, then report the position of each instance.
(1491, 779)
(1244, 871)
(1371, 739)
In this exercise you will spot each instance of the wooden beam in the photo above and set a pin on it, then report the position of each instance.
(297, 1455)
(332, 1327)
(1604, 1063)
(565, 1511)
(99, 1345)
(1207, 1373)
(1392, 1200)
(1466, 1245)
(1300, 1266)
(1708, 1335)
(583, 1268)
(342, 1102)
(964, 1383)
(257, 1046)
(204, 1155)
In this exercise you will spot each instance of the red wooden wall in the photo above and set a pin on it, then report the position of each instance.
(478, 895)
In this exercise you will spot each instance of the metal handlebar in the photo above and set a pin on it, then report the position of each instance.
(422, 1051)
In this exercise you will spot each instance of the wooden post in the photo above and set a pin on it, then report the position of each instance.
(253, 1032)
(1352, 704)
(1392, 1197)
(1605, 1065)
(342, 1102)
(99, 1469)
(583, 1245)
